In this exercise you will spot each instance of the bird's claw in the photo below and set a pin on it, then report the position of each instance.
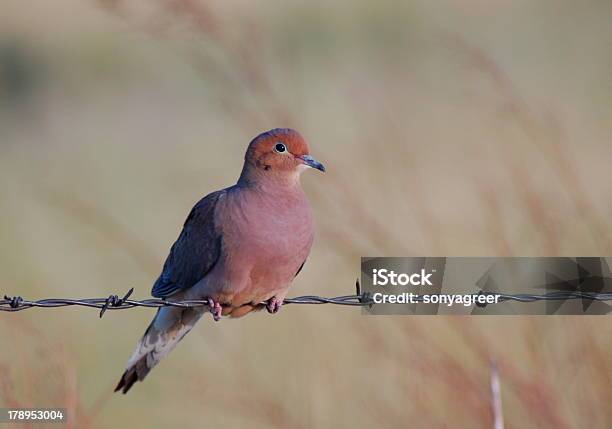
(215, 309)
(273, 305)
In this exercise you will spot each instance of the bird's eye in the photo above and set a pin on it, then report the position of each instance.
(280, 148)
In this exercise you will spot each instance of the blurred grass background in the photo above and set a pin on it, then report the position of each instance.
(448, 128)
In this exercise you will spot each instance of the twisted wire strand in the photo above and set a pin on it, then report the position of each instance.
(360, 299)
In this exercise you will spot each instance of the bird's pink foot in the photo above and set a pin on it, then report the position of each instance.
(273, 305)
(215, 309)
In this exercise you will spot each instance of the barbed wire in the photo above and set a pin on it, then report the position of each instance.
(360, 299)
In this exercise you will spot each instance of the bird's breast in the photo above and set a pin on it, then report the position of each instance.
(267, 239)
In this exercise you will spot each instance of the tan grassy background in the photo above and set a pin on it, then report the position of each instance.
(448, 128)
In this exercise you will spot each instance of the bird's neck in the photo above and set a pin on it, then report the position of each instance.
(271, 182)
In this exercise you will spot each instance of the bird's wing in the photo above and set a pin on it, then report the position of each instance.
(300, 269)
(195, 252)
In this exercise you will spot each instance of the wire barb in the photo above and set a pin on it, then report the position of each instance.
(13, 302)
(115, 301)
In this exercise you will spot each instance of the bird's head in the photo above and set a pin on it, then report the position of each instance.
(280, 154)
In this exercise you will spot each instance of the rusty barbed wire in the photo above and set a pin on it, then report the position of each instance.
(360, 299)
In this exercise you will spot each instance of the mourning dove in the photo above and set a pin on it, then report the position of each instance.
(240, 247)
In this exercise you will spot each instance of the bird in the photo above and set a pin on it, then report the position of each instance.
(239, 250)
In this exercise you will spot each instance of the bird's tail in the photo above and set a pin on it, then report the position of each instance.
(168, 327)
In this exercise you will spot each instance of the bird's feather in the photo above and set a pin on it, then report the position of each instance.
(300, 269)
(168, 327)
(195, 252)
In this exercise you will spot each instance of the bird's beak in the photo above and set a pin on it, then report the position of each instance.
(311, 162)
